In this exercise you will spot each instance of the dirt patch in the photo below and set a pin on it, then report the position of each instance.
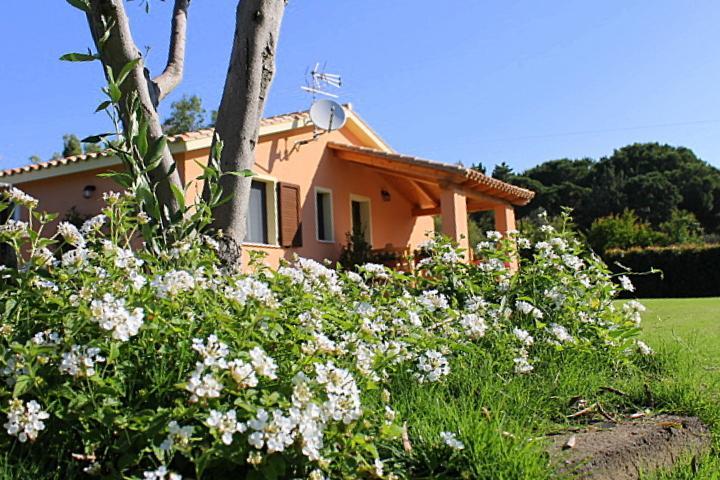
(621, 451)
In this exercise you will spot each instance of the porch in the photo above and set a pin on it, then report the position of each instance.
(434, 188)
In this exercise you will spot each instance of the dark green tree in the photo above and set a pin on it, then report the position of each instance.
(71, 145)
(502, 171)
(186, 115)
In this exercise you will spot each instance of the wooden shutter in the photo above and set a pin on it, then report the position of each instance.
(289, 212)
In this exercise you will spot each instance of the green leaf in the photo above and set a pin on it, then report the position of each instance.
(104, 105)
(155, 151)
(179, 196)
(241, 173)
(80, 4)
(79, 57)
(126, 70)
(96, 138)
(22, 385)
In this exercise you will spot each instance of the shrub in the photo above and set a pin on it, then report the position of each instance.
(622, 231)
(681, 270)
(137, 363)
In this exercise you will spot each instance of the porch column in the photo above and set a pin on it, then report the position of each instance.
(505, 222)
(504, 218)
(453, 212)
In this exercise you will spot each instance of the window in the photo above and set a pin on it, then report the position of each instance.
(360, 217)
(323, 215)
(257, 218)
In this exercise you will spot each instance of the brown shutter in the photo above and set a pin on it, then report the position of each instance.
(289, 212)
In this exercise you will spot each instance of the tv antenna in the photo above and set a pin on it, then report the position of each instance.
(317, 81)
(326, 114)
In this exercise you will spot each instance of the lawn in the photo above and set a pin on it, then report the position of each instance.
(688, 330)
(691, 323)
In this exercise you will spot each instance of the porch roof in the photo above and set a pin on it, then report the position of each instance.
(422, 181)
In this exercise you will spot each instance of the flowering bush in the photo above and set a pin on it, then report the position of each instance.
(162, 363)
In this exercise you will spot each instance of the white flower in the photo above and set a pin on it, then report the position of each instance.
(432, 366)
(522, 365)
(626, 284)
(561, 333)
(243, 373)
(161, 473)
(177, 435)
(14, 228)
(19, 197)
(43, 257)
(136, 280)
(316, 474)
(375, 270)
(112, 315)
(493, 235)
(203, 386)
(25, 420)
(46, 337)
(643, 348)
(75, 258)
(212, 351)
(276, 434)
(529, 309)
(634, 309)
(93, 224)
(450, 439)
(432, 300)
(379, 467)
(172, 283)
(474, 325)
(343, 403)
(225, 424)
(249, 288)
(80, 361)
(524, 336)
(263, 363)
(71, 234)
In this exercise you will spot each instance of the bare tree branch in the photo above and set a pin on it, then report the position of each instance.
(116, 51)
(251, 70)
(173, 73)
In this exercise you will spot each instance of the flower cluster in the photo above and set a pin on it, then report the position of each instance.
(25, 420)
(110, 313)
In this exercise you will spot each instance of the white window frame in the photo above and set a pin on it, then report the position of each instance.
(362, 198)
(328, 191)
(271, 205)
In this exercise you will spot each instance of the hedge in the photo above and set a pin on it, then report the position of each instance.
(687, 270)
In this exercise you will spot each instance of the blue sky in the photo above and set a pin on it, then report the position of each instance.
(519, 81)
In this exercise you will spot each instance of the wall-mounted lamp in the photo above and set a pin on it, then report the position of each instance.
(89, 190)
(385, 195)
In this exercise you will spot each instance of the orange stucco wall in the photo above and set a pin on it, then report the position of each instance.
(279, 158)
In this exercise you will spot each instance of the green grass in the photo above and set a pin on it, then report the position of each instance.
(687, 330)
(501, 418)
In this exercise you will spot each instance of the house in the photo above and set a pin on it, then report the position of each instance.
(307, 195)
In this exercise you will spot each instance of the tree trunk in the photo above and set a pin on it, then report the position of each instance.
(117, 51)
(251, 70)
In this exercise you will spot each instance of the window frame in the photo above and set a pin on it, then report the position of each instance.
(331, 229)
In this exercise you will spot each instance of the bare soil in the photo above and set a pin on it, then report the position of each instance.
(624, 450)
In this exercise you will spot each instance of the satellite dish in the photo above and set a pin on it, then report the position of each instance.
(327, 115)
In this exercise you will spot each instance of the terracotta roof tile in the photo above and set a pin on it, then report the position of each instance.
(478, 180)
(204, 133)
